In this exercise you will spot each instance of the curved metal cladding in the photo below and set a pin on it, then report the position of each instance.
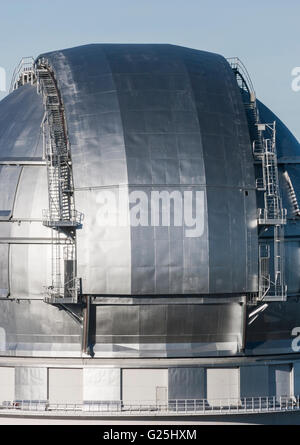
(272, 331)
(141, 119)
(160, 118)
(27, 326)
(20, 138)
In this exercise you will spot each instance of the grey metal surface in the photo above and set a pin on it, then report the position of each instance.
(21, 114)
(146, 118)
(160, 117)
(65, 385)
(33, 328)
(166, 330)
(4, 284)
(24, 193)
(254, 381)
(272, 331)
(296, 367)
(280, 380)
(186, 383)
(31, 384)
(101, 384)
(7, 384)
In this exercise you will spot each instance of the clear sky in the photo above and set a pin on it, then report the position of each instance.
(265, 34)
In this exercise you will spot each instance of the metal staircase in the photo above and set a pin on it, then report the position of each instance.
(61, 216)
(272, 216)
(264, 151)
(292, 195)
(271, 283)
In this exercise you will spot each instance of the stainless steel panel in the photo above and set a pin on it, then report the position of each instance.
(30, 270)
(36, 329)
(31, 383)
(222, 383)
(167, 330)
(254, 381)
(2, 340)
(296, 378)
(292, 265)
(21, 115)
(143, 385)
(104, 253)
(7, 384)
(150, 121)
(4, 283)
(20, 136)
(33, 183)
(280, 380)
(9, 177)
(65, 385)
(101, 384)
(186, 383)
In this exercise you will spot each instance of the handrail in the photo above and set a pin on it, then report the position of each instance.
(225, 406)
(237, 64)
(25, 64)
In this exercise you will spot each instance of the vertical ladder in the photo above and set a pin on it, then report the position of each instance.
(61, 216)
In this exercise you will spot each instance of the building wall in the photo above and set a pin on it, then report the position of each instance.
(145, 385)
(222, 384)
(65, 385)
(31, 384)
(7, 384)
(100, 385)
(153, 385)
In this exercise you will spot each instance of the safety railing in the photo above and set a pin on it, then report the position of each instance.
(277, 216)
(68, 293)
(180, 407)
(75, 220)
(25, 67)
(238, 66)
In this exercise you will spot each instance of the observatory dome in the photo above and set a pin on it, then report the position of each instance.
(148, 210)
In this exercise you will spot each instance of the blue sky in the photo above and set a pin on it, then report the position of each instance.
(264, 34)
